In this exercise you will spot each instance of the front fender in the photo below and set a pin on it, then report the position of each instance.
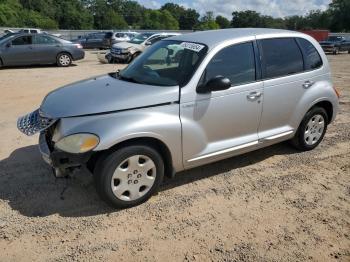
(159, 122)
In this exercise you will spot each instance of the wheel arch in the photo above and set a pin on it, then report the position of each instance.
(64, 52)
(327, 106)
(152, 142)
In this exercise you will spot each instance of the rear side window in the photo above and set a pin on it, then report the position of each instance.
(281, 57)
(312, 59)
(44, 40)
(23, 40)
(235, 62)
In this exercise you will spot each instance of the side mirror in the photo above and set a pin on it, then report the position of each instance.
(148, 43)
(217, 83)
(8, 44)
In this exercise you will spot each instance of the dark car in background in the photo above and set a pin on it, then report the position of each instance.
(95, 40)
(336, 44)
(34, 49)
(112, 38)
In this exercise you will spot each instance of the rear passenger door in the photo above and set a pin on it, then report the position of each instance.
(289, 70)
(46, 48)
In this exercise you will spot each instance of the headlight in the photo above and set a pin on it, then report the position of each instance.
(78, 143)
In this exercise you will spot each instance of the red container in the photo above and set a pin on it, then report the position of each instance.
(319, 35)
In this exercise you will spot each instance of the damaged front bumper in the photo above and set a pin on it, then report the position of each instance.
(62, 162)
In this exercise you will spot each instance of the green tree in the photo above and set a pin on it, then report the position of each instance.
(30, 18)
(340, 15)
(246, 18)
(10, 13)
(159, 19)
(295, 22)
(317, 19)
(223, 22)
(207, 22)
(187, 18)
(71, 14)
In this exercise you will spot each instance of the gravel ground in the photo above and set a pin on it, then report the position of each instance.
(275, 204)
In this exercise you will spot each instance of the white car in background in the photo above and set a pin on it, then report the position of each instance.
(129, 50)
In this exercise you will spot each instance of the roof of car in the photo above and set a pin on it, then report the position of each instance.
(213, 38)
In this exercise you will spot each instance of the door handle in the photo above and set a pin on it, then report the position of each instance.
(308, 84)
(254, 95)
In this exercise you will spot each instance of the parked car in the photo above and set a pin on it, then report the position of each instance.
(93, 40)
(231, 91)
(128, 51)
(112, 38)
(30, 31)
(6, 35)
(336, 44)
(33, 49)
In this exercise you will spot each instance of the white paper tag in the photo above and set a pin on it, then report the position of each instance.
(192, 46)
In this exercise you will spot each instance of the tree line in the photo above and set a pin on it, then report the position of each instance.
(126, 14)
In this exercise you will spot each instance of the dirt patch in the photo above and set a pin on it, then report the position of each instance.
(275, 204)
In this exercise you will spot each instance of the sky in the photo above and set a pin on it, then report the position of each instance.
(275, 8)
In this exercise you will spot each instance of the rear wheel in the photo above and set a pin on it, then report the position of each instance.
(311, 130)
(129, 176)
(64, 60)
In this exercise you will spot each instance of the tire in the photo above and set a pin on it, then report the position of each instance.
(129, 176)
(349, 51)
(132, 58)
(311, 130)
(1, 63)
(109, 58)
(336, 51)
(64, 60)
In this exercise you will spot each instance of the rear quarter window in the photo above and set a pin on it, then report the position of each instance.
(281, 57)
(312, 59)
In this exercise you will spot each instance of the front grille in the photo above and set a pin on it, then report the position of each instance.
(33, 123)
(117, 51)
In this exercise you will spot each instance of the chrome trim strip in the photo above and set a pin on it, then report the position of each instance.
(224, 151)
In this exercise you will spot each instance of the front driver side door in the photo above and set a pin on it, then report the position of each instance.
(19, 52)
(220, 124)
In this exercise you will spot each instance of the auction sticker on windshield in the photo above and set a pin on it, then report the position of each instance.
(192, 46)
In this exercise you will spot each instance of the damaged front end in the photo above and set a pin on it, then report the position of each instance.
(62, 163)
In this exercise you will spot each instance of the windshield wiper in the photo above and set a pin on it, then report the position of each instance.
(129, 79)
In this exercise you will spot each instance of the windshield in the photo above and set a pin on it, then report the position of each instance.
(166, 63)
(334, 38)
(2, 37)
(140, 38)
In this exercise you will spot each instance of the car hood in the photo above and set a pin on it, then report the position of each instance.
(104, 94)
(126, 45)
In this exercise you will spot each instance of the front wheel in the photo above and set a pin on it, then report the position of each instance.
(311, 130)
(336, 51)
(129, 176)
(133, 57)
(64, 60)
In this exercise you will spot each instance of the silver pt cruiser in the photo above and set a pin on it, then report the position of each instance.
(187, 101)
